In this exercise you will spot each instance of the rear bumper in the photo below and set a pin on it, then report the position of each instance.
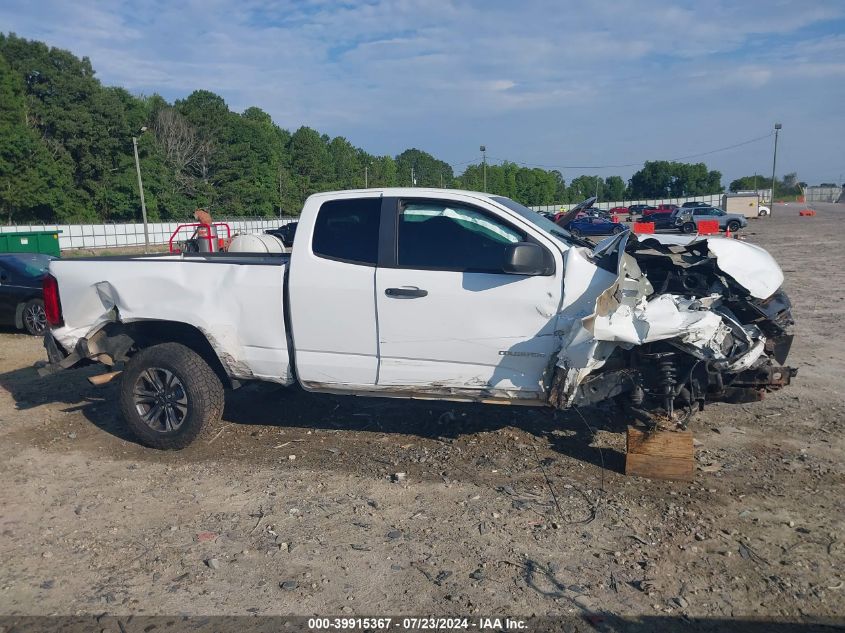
(57, 357)
(100, 346)
(55, 354)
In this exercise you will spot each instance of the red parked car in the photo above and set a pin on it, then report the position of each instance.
(618, 211)
(661, 208)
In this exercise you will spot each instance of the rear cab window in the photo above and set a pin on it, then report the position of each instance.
(348, 231)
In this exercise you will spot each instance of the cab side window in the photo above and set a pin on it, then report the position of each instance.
(347, 230)
(442, 236)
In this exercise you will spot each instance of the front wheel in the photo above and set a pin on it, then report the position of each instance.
(688, 227)
(169, 395)
(34, 317)
(575, 233)
(618, 229)
(733, 226)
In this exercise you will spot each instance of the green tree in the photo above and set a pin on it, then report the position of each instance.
(584, 187)
(310, 161)
(427, 170)
(663, 179)
(614, 188)
(34, 185)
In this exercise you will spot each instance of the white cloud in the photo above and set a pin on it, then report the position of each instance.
(544, 77)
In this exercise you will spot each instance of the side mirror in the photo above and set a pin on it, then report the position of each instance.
(524, 258)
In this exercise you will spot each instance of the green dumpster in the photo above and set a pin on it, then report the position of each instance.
(44, 242)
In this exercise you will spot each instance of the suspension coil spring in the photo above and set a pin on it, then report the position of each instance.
(668, 375)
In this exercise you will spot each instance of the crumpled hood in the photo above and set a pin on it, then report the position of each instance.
(625, 309)
(749, 265)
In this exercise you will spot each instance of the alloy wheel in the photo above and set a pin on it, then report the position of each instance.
(160, 399)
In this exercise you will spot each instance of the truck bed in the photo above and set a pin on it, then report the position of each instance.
(235, 300)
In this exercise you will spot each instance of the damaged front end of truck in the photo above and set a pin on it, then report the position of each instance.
(687, 321)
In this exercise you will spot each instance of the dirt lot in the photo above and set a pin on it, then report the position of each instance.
(290, 507)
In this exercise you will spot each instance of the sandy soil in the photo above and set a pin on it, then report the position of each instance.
(290, 507)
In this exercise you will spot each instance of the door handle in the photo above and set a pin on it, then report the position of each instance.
(405, 292)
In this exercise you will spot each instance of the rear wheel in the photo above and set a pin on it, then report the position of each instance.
(576, 233)
(169, 396)
(733, 226)
(34, 317)
(688, 227)
(618, 229)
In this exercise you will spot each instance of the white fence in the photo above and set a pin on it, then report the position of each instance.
(824, 194)
(119, 235)
(713, 199)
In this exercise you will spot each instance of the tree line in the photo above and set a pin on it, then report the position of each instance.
(66, 155)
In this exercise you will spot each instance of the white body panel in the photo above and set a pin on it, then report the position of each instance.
(238, 307)
(334, 314)
(750, 265)
(490, 333)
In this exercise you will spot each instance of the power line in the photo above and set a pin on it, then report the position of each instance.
(621, 166)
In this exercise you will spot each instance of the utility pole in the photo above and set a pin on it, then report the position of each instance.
(483, 149)
(366, 176)
(778, 127)
(141, 189)
(413, 177)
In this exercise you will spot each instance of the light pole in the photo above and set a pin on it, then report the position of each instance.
(141, 189)
(483, 149)
(366, 175)
(778, 127)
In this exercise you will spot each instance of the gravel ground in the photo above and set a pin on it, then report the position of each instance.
(291, 507)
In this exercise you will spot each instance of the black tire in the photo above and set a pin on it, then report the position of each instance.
(34, 317)
(186, 407)
(618, 229)
(575, 233)
(688, 227)
(733, 226)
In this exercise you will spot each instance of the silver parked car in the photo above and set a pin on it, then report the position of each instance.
(686, 220)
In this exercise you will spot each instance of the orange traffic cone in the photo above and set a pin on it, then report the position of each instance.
(727, 233)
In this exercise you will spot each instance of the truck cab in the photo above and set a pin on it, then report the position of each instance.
(424, 294)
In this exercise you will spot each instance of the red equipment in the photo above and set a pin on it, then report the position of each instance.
(708, 227)
(203, 233)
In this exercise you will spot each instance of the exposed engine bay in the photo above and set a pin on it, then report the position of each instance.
(687, 321)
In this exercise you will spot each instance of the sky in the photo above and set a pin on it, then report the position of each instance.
(565, 85)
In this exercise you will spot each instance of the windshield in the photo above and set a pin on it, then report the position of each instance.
(538, 220)
(29, 264)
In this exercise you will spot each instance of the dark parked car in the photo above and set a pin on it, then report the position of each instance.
(661, 219)
(286, 233)
(694, 203)
(592, 225)
(638, 209)
(21, 297)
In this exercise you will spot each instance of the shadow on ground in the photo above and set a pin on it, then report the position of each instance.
(570, 433)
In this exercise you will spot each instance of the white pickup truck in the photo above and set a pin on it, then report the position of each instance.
(428, 293)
